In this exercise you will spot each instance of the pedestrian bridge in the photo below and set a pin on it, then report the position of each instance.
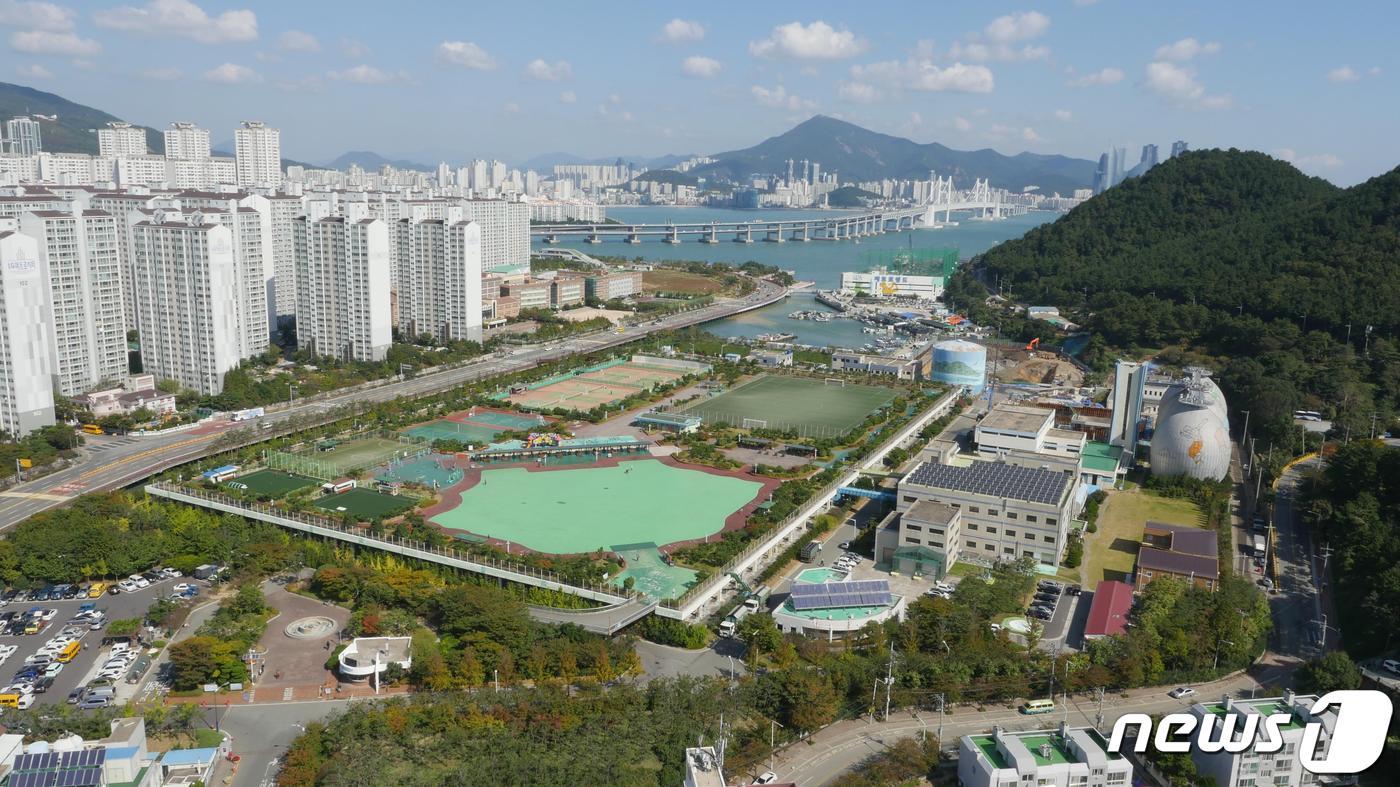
(869, 494)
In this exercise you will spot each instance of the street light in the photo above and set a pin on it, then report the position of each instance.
(772, 736)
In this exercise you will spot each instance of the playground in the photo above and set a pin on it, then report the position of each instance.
(576, 509)
(365, 504)
(807, 406)
(602, 385)
(269, 483)
(649, 573)
(477, 426)
(434, 470)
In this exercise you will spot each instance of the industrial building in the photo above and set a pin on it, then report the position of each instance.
(824, 604)
(1192, 433)
(960, 363)
(1061, 757)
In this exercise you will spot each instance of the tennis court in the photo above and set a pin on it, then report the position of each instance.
(498, 418)
(365, 504)
(432, 470)
(650, 574)
(807, 406)
(584, 509)
(270, 483)
(445, 429)
(599, 386)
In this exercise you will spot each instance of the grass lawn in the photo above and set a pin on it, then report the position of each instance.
(810, 407)
(679, 281)
(1111, 552)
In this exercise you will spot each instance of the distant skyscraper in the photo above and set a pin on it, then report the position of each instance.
(26, 387)
(258, 151)
(1117, 165)
(1149, 158)
(1101, 182)
(343, 308)
(22, 137)
(1178, 147)
(120, 139)
(187, 142)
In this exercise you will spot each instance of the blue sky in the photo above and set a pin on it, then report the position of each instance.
(512, 80)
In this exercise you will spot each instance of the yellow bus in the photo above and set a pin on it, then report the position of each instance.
(69, 652)
(1034, 707)
(92, 429)
(16, 700)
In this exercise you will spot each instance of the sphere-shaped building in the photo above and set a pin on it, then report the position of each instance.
(1192, 435)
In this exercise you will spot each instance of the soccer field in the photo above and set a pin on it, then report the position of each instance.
(365, 503)
(809, 407)
(271, 483)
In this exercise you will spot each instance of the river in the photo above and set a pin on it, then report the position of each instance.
(818, 261)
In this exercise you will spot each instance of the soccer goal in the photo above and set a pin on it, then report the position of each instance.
(755, 423)
(834, 381)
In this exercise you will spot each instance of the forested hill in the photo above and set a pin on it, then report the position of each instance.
(1212, 232)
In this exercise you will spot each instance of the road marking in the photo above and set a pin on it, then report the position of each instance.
(286, 694)
(36, 496)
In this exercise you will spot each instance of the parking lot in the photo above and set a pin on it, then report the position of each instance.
(90, 658)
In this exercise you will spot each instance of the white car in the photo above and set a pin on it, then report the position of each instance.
(53, 669)
(7, 651)
(1390, 665)
(181, 588)
(127, 586)
(139, 581)
(1181, 692)
(47, 614)
(767, 777)
(171, 573)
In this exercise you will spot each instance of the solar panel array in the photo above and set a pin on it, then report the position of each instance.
(829, 595)
(996, 479)
(78, 768)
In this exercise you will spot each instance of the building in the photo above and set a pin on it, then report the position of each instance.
(283, 210)
(1010, 427)
(1249, 768)
(343, 293)
(137, 393)
(1062, 757)
(505, 233)
(189, 299)
(960, 363)
(119, 140)
(823, 604)
(22, 137)
(80, 257)
(187, 142)
(1191, 436)
(1189, 554)
(882, 283)
(249, 217)
(532, 293)
(920, 539)
(367, 656)
(613, 285)
(1006, 511)
(1129, 383)
(678, 423)
(26, 384)
(440, 287)
(916, 368)
(566, 291)
(258, 153)
(1179, 147)
(1108, 612)
(772, 359)
(122, 758)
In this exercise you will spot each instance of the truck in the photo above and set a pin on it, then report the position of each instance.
(249, 414)
(1260, 546)
(727, 627)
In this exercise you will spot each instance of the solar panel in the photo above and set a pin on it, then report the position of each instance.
(35, 762)
(807, 589)
(830, 595)
(80, 777)
(995, 479)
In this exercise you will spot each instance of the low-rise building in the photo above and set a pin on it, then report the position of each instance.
(915, 368)
(137, 392)
(1010, 427)
(824, 604)
(566, 291)
(365, 657)
(1249, 768)
(1108, 612)
(1186, 553)
(530, 294)
(1063, 757)
(771, 359)
(615, 284)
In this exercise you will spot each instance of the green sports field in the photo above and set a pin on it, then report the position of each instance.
(270, 483)
(580, 510)
(365, 503)
(809, 407)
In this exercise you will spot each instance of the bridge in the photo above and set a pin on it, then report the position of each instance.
(944, 199)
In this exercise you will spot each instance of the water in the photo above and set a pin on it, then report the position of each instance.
(818, 261)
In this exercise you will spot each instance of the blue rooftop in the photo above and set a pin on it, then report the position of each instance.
(182, 757)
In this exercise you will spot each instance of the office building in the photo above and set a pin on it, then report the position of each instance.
(120, 139)
(258, 152)
(1249, 768)
(80, 258)
(189, 298)
(343, 293)
(22, 137)
(187, 142)
(566, 291)
(618, 284)
(1016, 428)
(26, 363)
(439, 279)
(1061, 757)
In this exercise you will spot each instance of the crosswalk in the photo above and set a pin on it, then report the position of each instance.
(287, 694)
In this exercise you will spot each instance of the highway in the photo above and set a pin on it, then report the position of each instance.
(113, 462)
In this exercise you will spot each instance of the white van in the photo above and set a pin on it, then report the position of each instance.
(727, 627)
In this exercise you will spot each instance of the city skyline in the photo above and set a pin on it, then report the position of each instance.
(1054, 78)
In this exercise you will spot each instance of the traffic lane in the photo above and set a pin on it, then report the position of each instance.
(118, 607)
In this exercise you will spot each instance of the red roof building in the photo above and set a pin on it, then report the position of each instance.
(1108, 614)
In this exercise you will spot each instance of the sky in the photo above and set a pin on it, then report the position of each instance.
(455, 81)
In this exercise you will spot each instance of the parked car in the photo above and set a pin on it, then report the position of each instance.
(128, 586)
(92, 703)
(1181, 692)
(139, 581)
(182, 587)
(76, 695)
(114, 589)
(767, 777)
(1392, 666)
(43, 683)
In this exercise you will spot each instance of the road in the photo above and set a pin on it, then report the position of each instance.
(1297, 607)
(114, 462)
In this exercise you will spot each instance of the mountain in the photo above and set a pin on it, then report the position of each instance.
(544, 163)
(371, 161)
(858, 154)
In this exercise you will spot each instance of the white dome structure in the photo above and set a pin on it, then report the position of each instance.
(1192, 435)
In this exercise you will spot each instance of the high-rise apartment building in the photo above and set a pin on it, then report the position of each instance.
(505, 233)
(250, 218)
(26, 366)
(22, 137)
(120, 139)
(187, 142)
(1179, 147)
(189, 299)
(343, 287)
(439, 284)
(283, 211)
(79, 253)
(258, 151)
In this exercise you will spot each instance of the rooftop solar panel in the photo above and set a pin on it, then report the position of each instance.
(856, 593)
(995, 479)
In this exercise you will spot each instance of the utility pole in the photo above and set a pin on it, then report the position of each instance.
(889, 681)
(772, 736)
(940, 718)
(1098, 715)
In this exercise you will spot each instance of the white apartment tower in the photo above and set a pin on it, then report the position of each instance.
(439, 279)
(119, 140)
(343, 287)
(258, 151)
(80, 258)
(186, 279)
(23, 137)
(250, 218)
(284, 209)
(26, 367)
(505, 233)
(187, 142)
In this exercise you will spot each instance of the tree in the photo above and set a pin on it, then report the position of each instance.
(200, 660)
(1074, 551)
(1334, 671)
(759, 633)
(809, 699)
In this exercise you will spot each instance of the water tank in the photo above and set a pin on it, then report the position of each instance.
(958, 362)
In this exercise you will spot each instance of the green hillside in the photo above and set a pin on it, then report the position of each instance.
(73, 131)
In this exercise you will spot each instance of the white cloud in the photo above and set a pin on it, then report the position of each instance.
(45, 42)
(1003, 39)
(1187, 49)
(35, 16)
(297, 41)
(1064, 115)
(181, 18)
(1104, 76)
(166, 74)
(1028, 134)
(1017, 27)
(701, 66)
(779, 98)
(548, 72)
(816, 41)
(1318, 161)
(35, 71)
(567, 97)
(466, 54)
(1373, 71)
(231, 74)
(962, 124)
(351, 47)
(859, 92)
(510, 108)
(1179, 85)
(1343, 74)
(365, 75)
(678, 30)
(923, 74)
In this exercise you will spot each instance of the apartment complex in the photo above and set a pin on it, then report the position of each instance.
(79, 253)
(505, 233)
(1254, 769)
(1062, 757)
(26, 365)
(258, 153)
(187, 142)
(120, 139)
(439, 279)
(343, 303)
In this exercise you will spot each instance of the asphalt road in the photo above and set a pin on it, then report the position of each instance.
(113, 462)
(1297, 606)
